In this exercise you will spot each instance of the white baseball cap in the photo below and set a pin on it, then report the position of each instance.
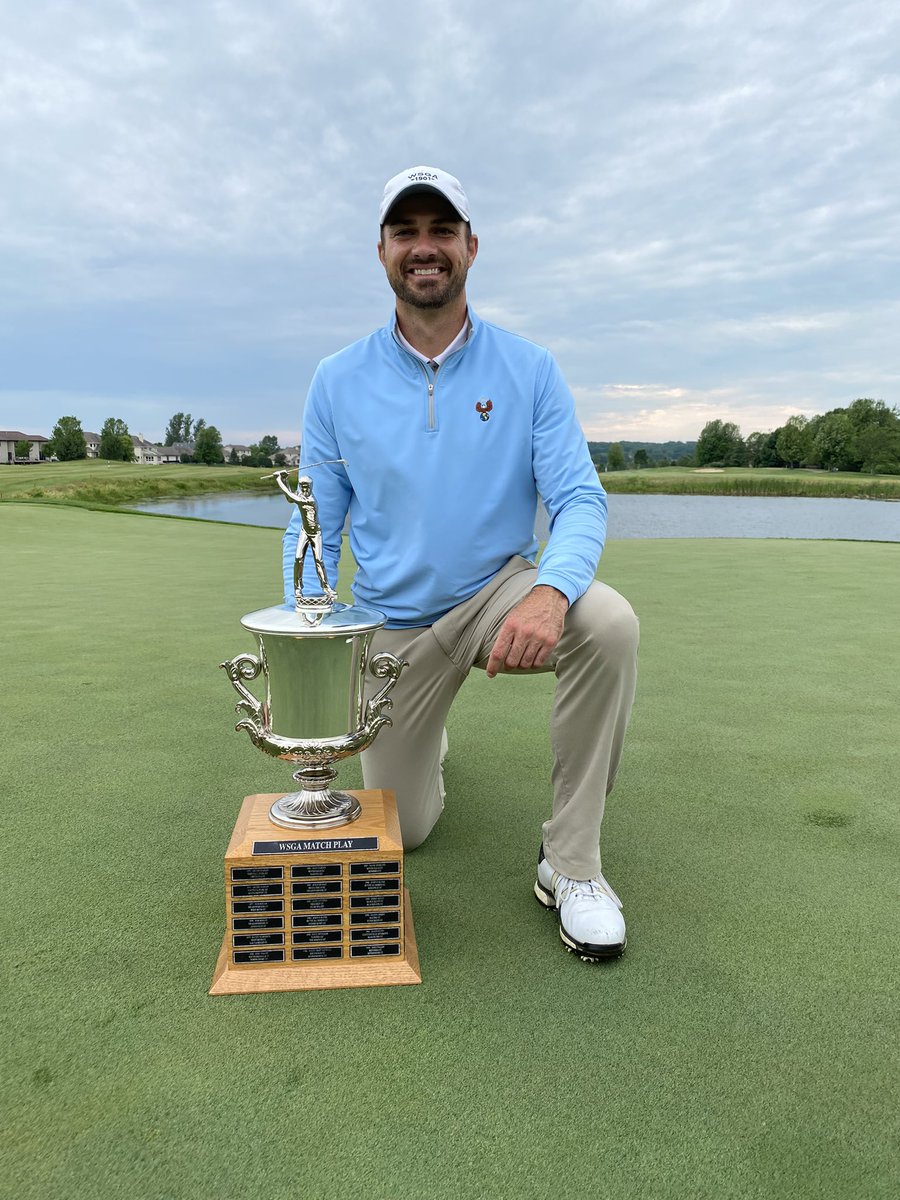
(423, 179)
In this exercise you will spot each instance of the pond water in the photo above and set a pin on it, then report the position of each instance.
(635, 516)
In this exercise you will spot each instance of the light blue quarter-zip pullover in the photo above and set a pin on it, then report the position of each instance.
(443, 472)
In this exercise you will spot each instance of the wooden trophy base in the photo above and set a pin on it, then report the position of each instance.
(312, 909)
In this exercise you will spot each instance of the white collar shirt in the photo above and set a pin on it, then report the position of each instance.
(460, 340)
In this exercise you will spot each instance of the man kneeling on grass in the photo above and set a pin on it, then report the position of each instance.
(451, 428)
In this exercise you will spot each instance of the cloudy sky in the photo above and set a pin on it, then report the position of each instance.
(695, 205)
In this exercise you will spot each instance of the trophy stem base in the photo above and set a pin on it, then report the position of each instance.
(307, 809)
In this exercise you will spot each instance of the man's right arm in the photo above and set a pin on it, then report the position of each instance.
(331, 488)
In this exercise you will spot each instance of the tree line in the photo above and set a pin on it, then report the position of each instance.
(618, 456)
(864, 436)
(195, 441)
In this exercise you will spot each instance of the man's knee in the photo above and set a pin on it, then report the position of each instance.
(413, 838)
(605, 620)
(418, 793)
(417, 820)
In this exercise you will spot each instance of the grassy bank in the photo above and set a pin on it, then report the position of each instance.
(752, 481)
(92, 482)
(741, 1050)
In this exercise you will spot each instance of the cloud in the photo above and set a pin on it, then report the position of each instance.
(700, 193)
(636, 412)
(660, 412)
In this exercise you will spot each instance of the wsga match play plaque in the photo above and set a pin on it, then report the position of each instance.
(316, 910)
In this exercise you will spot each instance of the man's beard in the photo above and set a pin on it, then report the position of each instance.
(437, 297)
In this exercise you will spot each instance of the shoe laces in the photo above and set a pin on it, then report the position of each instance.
(576, 889)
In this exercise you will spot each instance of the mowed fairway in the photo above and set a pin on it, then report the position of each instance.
(744, 1046)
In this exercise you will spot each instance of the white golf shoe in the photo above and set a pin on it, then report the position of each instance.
(590, 918)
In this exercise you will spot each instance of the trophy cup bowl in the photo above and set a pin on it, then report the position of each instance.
(314, 660)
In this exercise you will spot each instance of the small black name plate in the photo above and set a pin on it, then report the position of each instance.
(315, 887)
(257, 906)
(258, 956)
(375, 950)
(238, 874)
(317, 952)
(314, 920)
(311, 870)
(375, 868)
(257, 889)
(320, 846)
(315, 935)
(374, 885)
(374, 901)
(315, 903)
(376, 917)
(377, 933)
(258, 939)
(258, 923)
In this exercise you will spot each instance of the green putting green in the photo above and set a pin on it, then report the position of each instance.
(744, 1046)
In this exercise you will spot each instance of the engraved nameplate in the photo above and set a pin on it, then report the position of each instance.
(313, 920)
(378, 933)
(376, 917)
(319, 846)
(314, 887)
(314, 870)
(258, 956)
(258, 923)
(257, 889)
(374, 901)
(374, 885)
(375, 868)
(315, 903)
(309, 952)
(315, 935)
(375, 950)
(257, 906)
(243, 873)
(258, 939)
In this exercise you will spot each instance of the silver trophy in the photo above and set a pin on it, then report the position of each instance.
(314, 657)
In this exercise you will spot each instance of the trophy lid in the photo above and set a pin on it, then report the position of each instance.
(288, 621)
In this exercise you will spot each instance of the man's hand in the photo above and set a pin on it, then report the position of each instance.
(530, 632)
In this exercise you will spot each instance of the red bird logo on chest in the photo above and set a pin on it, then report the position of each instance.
(484, 408)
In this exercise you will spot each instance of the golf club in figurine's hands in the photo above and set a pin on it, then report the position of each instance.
(314, 658)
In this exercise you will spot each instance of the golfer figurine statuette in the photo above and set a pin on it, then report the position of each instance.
(310, 538)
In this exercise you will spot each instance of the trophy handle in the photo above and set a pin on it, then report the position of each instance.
(239, 668)
(383, 666)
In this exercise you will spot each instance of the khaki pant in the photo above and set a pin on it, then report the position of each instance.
(596, 667)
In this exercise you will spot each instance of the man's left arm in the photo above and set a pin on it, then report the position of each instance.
(567, 482)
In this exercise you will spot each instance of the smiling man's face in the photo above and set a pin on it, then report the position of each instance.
(426, 251)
